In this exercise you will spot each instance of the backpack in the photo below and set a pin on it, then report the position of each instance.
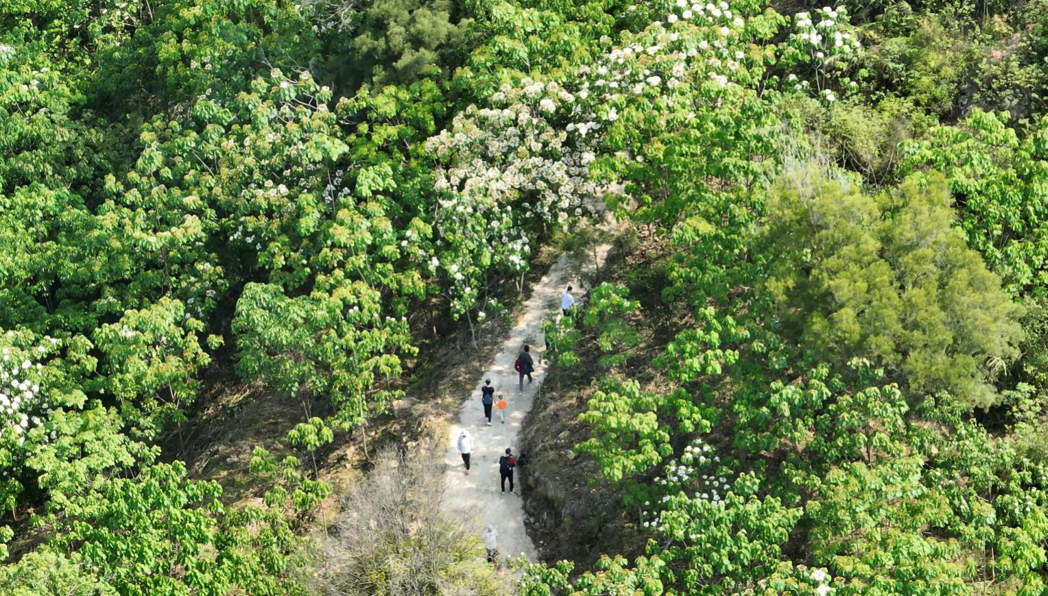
(519, 365)
(506, 463)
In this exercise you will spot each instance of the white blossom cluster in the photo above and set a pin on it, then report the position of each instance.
(201, 291)
(511, 149)
(684, 477)
(698, 42)
(335, 190)
(29, 84)
(824, 28)
(821, 578)
(1019, 506)
(506, 164)
(120, 15)
(818, 577)
(826, 37)
(250, 240)
(23, 406)
(697, 456)
(341, 16)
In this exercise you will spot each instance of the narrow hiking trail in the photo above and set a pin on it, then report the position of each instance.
(478, 496)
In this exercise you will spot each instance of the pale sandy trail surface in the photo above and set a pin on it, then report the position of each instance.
(478, 496)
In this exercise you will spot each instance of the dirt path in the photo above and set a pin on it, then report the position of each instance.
(478, 495)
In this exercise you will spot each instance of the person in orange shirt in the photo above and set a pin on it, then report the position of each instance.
(501, 405)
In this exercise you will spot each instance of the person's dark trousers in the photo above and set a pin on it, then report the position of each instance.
(487, 412)
(522, 375)
(506, 475)
(567, 312)
(465, 459)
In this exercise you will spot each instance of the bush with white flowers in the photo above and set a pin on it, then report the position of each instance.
(698, 43)
(21, 401)
(25, 409)
(823, 46)
(698, 474)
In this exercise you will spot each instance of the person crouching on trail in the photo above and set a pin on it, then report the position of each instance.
(506, 465)
(501, 405)
(486, 398)
(524, 366)
(465, 447)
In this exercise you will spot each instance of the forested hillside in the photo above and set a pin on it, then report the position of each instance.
(816, 363)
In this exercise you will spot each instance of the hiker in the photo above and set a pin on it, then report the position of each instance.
(486, 398)
(506, 464)
(524, 366)
(491, 543)
(501, 403)
(545, 339)
(465, 446)
(566, 301)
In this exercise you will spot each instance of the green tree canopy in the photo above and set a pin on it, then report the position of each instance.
(888, 278)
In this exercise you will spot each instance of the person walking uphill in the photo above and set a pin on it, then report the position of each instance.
(524, 366)
(566, 301)
(501, 403)
(487, 398)
(506, 464)
(491, 543)
(465, 447)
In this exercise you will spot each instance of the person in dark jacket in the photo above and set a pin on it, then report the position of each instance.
(487, 397)
(525, 366)
(506, 465)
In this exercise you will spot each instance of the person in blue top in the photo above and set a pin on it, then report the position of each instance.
(487, 397)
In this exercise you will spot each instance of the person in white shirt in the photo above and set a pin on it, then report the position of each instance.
(566, 301)
(491, 543)
(465, 447)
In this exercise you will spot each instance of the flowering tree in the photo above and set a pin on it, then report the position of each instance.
(23, 410)
(508, 172)
(825, 45)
